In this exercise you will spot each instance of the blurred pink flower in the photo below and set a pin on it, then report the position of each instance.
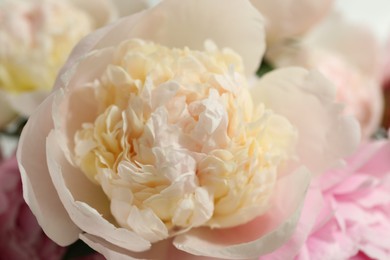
(354, 220)
(20, 235)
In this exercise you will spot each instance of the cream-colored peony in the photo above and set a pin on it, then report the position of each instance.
(36, 37)
(153, 144)
(335, 49)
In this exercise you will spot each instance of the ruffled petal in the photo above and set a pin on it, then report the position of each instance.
(85, 202)
(306, 99)
(38, 189)
(258, 237)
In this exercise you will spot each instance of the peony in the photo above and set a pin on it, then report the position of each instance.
(154, 143)
(356, 74)
(42, 33)
(347, 213)
(287, 19)
(20, 235)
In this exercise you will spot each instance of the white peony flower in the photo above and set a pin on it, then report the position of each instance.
(154, 145)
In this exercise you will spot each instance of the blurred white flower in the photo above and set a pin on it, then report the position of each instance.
(347, 54)
(154, 145)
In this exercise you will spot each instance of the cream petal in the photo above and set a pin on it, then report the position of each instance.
(86, 217)
(306, 99)
(108, 250)
(79, 51)
(38, 189)
(176, 23)
(26, 103)
(258, 237)
(291, 18)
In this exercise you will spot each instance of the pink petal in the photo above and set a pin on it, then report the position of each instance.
(379, 165)
(310, 213)
(38, 189)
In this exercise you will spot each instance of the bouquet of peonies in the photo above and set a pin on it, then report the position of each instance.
(197, 129)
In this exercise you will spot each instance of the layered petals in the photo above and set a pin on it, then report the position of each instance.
(153, 144)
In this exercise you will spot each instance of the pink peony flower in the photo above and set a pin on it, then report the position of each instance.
(347, 212)
(154, 144)
(20, 235)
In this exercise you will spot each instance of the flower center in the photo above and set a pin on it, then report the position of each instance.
(179, 143)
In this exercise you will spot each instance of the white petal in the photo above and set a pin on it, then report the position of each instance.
(262, 235)
(86, 217)
(306, 99)
(176, 23)
(109, 251)
(38, 189)
(290, 18)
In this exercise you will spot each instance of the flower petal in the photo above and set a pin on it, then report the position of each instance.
(311, 210)
(110, 251)
(258, 237)
(325, 135)
(75, 190)
(291, 18)
(38, 189)
(379, 165)
(175, 23)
